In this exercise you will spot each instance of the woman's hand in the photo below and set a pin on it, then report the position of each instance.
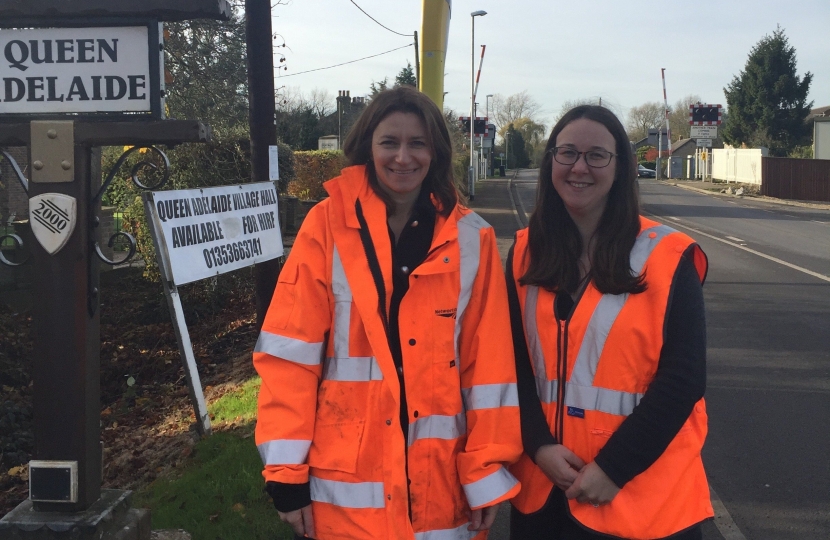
(300, 520)
(559, 464)
(483, 518)
(592, 486)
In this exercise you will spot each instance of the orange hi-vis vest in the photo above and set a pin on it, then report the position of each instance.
(329, 405)
(613, 349)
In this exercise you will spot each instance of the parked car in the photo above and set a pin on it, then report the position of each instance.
(643, 172)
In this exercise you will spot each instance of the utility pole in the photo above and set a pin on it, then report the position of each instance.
(261, 114)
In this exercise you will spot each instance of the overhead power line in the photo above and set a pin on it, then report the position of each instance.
(344, 63)
(378, 22)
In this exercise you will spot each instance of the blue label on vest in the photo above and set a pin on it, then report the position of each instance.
(575, 411)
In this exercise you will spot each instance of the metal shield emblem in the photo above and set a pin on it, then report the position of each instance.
(52, 217)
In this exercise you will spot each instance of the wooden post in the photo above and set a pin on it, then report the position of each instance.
(262, 111)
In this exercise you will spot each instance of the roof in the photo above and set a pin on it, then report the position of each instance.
(819, 111)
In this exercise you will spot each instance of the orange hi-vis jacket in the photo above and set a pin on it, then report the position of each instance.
(329, 405)
(611, 350)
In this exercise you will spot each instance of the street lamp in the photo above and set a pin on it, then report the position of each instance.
(473, 15)
(489, 163)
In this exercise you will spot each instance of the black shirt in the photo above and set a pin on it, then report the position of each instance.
(407, 254)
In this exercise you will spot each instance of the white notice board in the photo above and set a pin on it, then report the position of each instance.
(210, 231)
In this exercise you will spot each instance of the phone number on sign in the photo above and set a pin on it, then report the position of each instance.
(229, 253)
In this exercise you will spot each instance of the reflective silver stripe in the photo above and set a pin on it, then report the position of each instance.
(602, 319)
(644, 245)
(352, 369)
(469, 248)
(347, 494)
(489, 488)
(284, 451)
(437, 426)
(607, 310)
(295, 350)
(547, 390)
(490, 396)
(537, 356)
(459, 533)
(594, 398)
(342, 307)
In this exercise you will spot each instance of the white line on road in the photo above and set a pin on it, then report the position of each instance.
(764, 255)
(674, 218)
(723, 521)
(513, 202)
(734, 239)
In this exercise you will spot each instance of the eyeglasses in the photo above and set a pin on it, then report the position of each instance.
(594, 158)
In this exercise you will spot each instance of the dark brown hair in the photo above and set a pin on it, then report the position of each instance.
(553, 239)
(405, 99)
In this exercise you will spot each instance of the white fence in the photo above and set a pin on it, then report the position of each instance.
(738, 164)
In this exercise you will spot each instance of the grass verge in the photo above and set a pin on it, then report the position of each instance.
(218, 494)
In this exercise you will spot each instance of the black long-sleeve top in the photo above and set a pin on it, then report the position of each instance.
(679, 383)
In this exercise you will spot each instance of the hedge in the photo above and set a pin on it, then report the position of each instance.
(311, 169)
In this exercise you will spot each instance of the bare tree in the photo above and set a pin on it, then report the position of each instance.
(647, 116)
(679, 117)
(321, 102)
(506, 110)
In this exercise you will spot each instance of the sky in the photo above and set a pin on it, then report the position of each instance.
(555, 50)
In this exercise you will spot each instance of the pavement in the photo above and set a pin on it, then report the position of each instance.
(494, 202)
(714, 188)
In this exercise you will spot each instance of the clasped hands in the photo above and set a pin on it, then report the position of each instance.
(585, 483)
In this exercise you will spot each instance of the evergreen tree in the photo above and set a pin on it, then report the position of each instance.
(516, 152)
(406, 77)
(768, 101)
(377, 87)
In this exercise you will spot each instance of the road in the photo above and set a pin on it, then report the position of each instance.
(768, 322)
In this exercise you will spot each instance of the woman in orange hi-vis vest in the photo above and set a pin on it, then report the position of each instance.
(388, 407)
(608, 323)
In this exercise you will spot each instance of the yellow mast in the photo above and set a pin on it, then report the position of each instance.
(435, 30)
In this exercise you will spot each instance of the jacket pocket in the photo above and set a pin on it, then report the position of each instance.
(282, 305)
(336, 446)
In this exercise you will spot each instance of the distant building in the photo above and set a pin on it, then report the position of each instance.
(818, 112)
(347, 111)
(328, 142)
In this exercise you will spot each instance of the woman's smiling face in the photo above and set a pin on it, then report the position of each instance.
(401, 153)
(584, 189)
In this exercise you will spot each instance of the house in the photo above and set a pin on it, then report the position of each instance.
(819, 111)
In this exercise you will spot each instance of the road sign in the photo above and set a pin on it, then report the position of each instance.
(704, 143)
(705, 115)
(704, 132)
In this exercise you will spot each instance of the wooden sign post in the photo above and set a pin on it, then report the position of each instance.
(78, 75)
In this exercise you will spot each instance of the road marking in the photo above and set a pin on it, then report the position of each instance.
(764, 255)
(513, 202)
(674, 218)
(734, 239)
(723, 521)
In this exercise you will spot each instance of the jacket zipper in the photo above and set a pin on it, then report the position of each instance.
(561, 376)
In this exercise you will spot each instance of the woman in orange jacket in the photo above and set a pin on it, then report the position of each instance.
(608, 323)
(388, 406)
